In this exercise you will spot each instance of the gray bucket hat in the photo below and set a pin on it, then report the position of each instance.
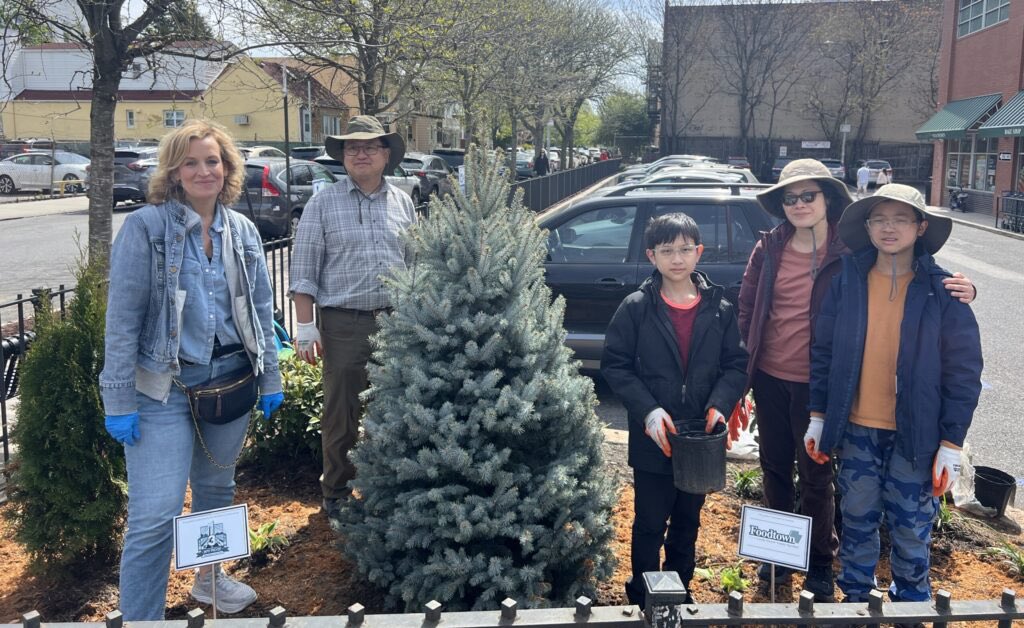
(367, 128)
(854, 232)
(804, 170)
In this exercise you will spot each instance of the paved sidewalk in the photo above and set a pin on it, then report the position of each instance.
(985, 222)
(44, 207)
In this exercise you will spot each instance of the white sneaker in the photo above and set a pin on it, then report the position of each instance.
(232, 595)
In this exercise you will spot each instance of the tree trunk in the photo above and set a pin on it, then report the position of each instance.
(106, 81)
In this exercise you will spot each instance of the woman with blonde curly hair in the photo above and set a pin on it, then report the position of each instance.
(189, 303)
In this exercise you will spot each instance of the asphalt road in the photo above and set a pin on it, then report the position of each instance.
(38, 250)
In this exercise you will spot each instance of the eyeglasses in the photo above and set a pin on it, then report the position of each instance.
(886, 223)
(789, 199)
(369, 149)
(668, 251)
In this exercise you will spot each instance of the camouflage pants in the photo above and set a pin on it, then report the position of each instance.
(875, 480)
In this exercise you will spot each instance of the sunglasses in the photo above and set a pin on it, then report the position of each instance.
(789, 199)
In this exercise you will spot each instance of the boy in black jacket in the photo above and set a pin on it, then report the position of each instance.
(673, 355)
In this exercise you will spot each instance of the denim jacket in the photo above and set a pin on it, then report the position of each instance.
(144, 304)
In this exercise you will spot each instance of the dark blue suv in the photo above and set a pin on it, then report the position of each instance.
(596, 252)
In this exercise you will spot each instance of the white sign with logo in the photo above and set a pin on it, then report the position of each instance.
(783, 151)
(815, 144)
(211, 536)
(774, 536)
(844, 128)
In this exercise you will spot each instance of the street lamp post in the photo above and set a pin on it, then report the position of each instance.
(844, 129)
(287, 151)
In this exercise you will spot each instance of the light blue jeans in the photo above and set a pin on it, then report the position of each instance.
(166, 457)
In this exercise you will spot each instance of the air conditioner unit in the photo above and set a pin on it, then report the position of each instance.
(242, 120)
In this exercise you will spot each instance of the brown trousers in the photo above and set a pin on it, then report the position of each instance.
(346, 344)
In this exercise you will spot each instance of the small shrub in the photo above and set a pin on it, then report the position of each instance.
(293, 433)
(729, 578)
(945, 516)
(732, 579)
(68, 491)
(264, 541)
(1011, 556)
(747, 482)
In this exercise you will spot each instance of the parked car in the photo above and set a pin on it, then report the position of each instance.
(554, 159)
(264, 200)
(306, 152)
(596, 252)
(433, 172)
(524, 165)
(739, 161)
(835, 166)
(132, 171)
(679, 175)
(37, 170)
(400, 178)
(454, 156)
(777, 166)
(260, 151)
(874, 166)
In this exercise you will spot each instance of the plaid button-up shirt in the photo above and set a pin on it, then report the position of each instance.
(347, 241)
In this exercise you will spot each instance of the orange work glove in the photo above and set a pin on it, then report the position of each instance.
(811, 439)
(713, 418)
(740, 418)
(658, 425)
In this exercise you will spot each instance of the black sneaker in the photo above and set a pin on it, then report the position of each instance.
(820, 582)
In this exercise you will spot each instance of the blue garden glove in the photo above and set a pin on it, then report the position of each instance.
(124, 428)
(269, 403)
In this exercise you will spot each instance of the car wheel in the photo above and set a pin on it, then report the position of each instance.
(6, 185)
(74, 188)
(293, 224)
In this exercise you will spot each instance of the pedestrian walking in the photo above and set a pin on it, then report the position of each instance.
(863, 179)
(190, 305)
(884, 178)
(676, 332)
(786, 279)
(541, 165)
(894, 406)
(349, 238)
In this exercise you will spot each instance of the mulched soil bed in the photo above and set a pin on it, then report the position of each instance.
(312, 577)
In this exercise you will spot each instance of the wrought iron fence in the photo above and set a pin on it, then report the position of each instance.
(664, 610)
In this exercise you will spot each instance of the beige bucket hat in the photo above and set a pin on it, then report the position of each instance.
(854, 232)
(367, 128)
(804, 170)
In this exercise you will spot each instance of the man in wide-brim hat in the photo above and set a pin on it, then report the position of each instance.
(367, 131)
(349, 238)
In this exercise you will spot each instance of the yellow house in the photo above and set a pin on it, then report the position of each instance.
(160, 94)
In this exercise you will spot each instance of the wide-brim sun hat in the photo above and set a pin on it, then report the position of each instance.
(854, 231)
(804, 170)
(367, 128)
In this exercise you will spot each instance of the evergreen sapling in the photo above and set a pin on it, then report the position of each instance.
(479, 473)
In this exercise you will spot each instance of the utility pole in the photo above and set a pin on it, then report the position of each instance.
(844, 128)
(309, 109)
(287, 148)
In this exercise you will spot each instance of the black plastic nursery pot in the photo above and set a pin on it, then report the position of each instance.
(994, 488)
(698, 459)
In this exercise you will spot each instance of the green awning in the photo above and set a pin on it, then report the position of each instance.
(1008, 121)
(953, 121)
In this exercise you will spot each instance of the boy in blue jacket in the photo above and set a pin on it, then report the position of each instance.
(673, 356)
(895, 378)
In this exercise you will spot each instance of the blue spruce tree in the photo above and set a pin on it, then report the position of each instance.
(479, 473)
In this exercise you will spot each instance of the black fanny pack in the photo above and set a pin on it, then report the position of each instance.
(222, 399)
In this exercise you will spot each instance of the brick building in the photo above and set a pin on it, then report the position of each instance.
(978, 132)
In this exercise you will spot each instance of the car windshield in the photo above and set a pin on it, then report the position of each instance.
(412, 164)
(878, 164)
(831, 163)
(781, 163)
(70, 158)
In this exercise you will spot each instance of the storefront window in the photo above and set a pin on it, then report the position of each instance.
(958, 162)
(985, 164)
(1019, 179)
